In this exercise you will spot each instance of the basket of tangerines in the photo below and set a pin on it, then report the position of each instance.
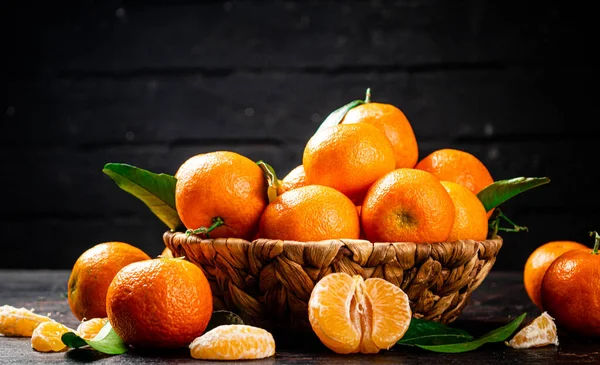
(360, 202)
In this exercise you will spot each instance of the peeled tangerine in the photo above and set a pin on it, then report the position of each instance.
(90, 328)
(47, 337)
(233, 342)
(19, 321)
(540, 332)
(350, 314)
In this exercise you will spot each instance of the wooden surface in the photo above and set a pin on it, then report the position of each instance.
(152, 83)
(498, 300)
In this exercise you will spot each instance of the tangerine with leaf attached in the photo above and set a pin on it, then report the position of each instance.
(571, 290)
(348, 158)
(221, 194)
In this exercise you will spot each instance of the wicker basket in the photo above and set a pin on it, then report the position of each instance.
(269, 282)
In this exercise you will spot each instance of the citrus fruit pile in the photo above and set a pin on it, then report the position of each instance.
(360, 177)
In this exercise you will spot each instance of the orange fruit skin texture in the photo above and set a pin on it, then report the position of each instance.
(221, 184)
(166, 253)
(349, 314)
(159, 303)
(92, 273)
(470, 217)
(294, 179)
(457, 166)
(394, 124)
(571, 292)
(539, 261)
(310, 213)
(407, 205)
(233, 342)
(348, 158)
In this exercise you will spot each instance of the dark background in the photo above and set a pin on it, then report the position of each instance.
(153, 83)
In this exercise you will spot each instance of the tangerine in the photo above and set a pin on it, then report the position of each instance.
(394, 124)
(47, 337)
(348, 158)
(470, 217)
(92, 273)
(539, 261)
(90, 328)
(166, 252)
(571, 290)
(294, 179)
(457, 166)
(407, 205)
(19, 321)
(350, 314)
(160, 303)
(310, 213)
(222, 193)
(233, 342)
(540, 332)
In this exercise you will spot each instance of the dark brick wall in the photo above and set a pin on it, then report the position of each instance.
(153, 83)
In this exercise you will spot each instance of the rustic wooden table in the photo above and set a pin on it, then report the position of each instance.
(499, 299)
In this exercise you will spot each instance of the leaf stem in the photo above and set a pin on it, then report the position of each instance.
(515, 228)
(216, 222)
(597, 244)
(494, 223)
(368, 95)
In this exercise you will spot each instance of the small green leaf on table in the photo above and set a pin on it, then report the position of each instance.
(502, 190)
(423, 332)
(106, 341)
(157, 191)
(222, 317)
(498, 335)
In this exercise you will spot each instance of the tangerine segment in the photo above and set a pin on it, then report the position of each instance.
(89, 329)
(331, 315)
(391, 312)
(47, 337)
(540, 332)
(233, 342)
(349, 314)
(19, 321)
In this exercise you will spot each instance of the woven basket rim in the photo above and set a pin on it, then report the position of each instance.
(498, 239)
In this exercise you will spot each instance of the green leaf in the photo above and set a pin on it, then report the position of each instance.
(221, 317)
(500, 191)
(338, 115)
(273, 182)
(423, 332)
(497, 335)
(157, 191)
(106, 341)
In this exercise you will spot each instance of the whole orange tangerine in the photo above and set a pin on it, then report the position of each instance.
(539, 261)
(394, 124)
(407, 205)
(470, 218)
(570, 290)
(159, 303)
(92, 273)
(348, 158)
(457, 166)
(294, 179)
(222, 193)
(310, 213)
